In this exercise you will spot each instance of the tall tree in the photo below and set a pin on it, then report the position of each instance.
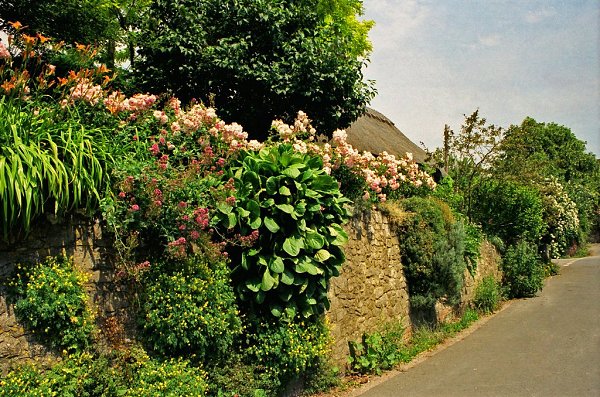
(259, 60)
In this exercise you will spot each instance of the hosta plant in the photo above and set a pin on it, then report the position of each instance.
(284, 217)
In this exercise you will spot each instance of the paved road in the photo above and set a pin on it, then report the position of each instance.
(544, 346)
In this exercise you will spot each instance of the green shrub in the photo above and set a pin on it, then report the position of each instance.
(433, 252)
(77, 375)
(190, 309)
(291, 211)
(508, 210)
(286, 350)
(488, 295)
(172, 377)
(86, 375)
(377, 351)
(52, 303)
(523, 270)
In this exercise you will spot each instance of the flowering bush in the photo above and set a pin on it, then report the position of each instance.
(383, 175)
(562, 219)
(51, 302)
(191, 311)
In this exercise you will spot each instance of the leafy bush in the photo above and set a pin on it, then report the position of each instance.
(190, 309)
(561, 217)
(287, 349)
(131, 374)
(48, 162)
(488, 295)
(523, 270)
(77, 375)
(377, 351)
(509, 210)
(288, 212)
(433, 252)
(52, 303)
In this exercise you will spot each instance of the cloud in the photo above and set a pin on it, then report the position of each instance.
(540, 15)
(490, 40)
(396, 21)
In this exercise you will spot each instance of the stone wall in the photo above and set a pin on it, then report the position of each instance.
(77, 238)
(371, 290)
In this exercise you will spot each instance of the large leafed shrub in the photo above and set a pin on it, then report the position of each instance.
(291, 213)
(523, 270)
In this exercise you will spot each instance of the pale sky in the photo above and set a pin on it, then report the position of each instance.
(436, 60)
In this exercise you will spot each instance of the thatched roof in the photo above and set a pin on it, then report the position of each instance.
(376, 133)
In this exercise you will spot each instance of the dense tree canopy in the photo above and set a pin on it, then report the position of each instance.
(258, 60)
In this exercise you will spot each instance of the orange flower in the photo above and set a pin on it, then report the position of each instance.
(72, 75)
(103, 69)
(80, 47)
(106, 80)
(62, 81)
(43, 39)
(8, 86)
(29, 40)
(16, 25)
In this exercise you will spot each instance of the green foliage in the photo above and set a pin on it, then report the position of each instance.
(534, 152)
(523, 270)
(287, 349)
(433, 252)
(258, 60)
(236, 377)
(172, 377)
(488, 295)
(52, 303)
(87, 375)
(189, 309)
(385, 349)
(510, 211)
(377, 351)
(293, 212)
(48, 162)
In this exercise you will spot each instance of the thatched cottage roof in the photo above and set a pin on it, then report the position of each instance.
(376, 133)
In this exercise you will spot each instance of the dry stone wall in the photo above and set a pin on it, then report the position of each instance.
(78, 238)
(370, 292)
(371, 289)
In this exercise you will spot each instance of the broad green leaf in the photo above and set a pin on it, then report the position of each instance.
(256, 223)
(224, 208)
(287, 208)
(267, 281)
(276, 265)
(253, 284)
(272, 185)
(287, 277)
(285, 191)
(322, 255)
(242, 212)
(292, 245)
(271, 225)
(276, 310)
(291, 172)
(314, 240)
(231, 220)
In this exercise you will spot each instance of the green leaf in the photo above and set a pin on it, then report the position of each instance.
(287, 277)
(224, 208)
(272, 185)
(285, 191)
(271, 225)
(256, 223)
(291, 172)
(276, 310)
(276, 265)
(267, 281)
(253, 284)
(306, 266)
(322, 256)
(314, 240)
(242, 212)
(231, 220)
(292, 245)
(287, 208)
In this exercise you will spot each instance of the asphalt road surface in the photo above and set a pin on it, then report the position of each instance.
(544, 346)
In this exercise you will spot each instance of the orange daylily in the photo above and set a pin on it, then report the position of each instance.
(29, 40)
(7, 86)
(16, 25)
(43, 39)
(62, 81)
